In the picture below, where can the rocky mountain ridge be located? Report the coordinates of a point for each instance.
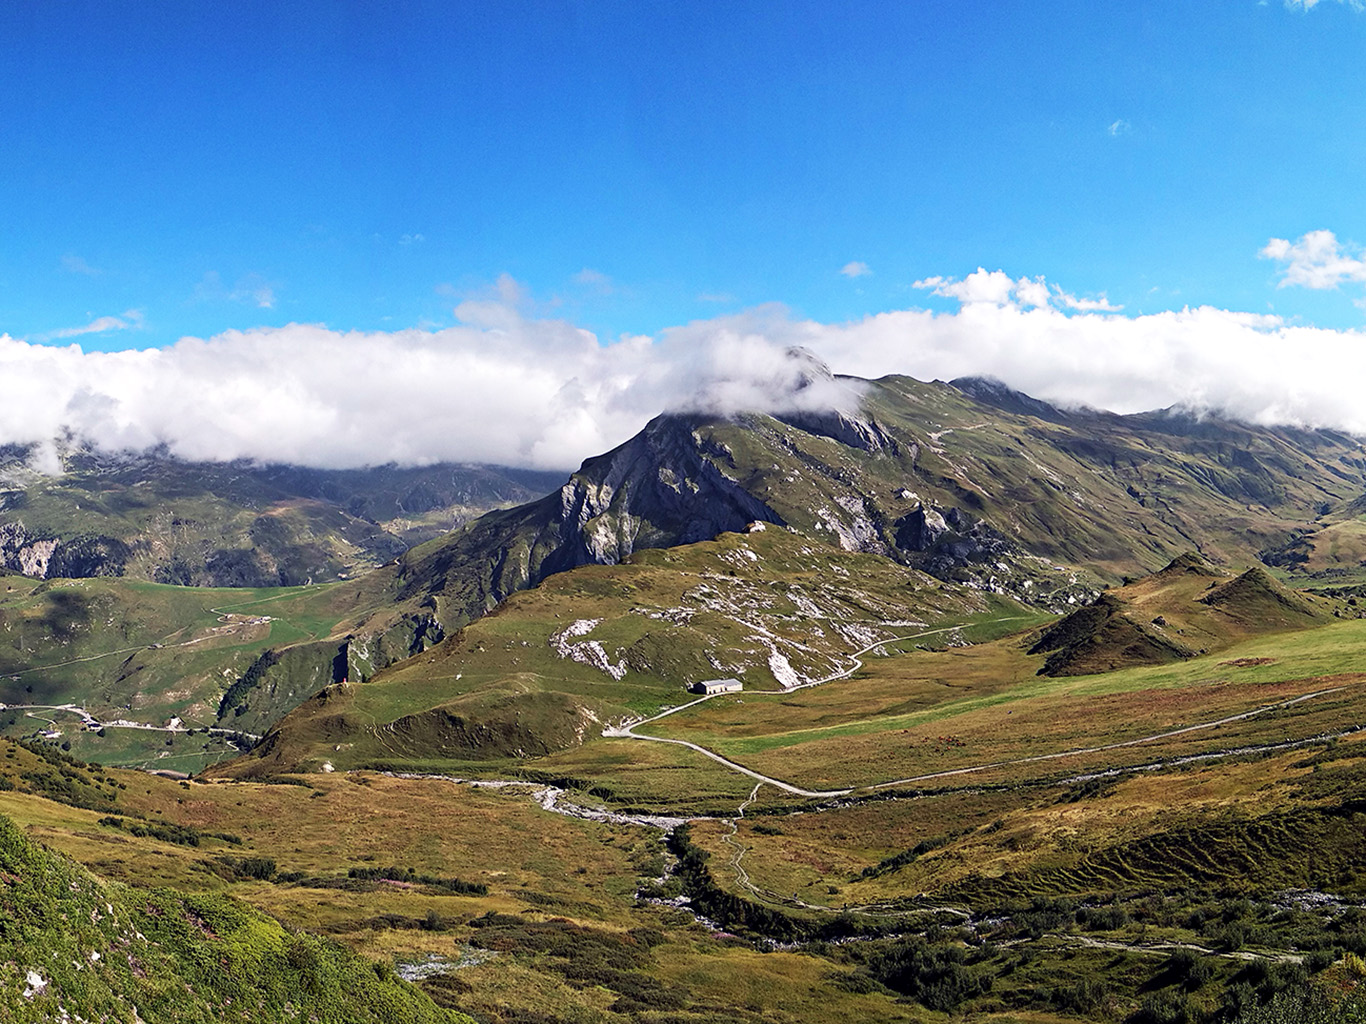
(968, 481)
(151, 516)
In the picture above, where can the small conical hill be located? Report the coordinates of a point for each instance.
(1184, 610)
(1102, 637)
(1188, 564)
(1256, 597)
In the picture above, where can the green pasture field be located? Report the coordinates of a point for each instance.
(537, 866)
(147, 652)
(936, 712)
(648, 628)
(555, 876)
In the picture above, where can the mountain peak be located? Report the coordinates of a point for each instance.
(1188, 564)
(995, 392)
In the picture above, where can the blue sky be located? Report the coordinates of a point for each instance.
(189, 168)
(348, 233)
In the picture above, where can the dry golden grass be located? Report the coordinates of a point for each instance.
(933, 712)
(997, 832)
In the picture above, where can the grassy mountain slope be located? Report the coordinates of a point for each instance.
(80, 948)
(78, 654)
(969, 482)
(156, 518)
(987, 712)
(551, 665)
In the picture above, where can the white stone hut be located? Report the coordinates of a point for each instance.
(710, 686)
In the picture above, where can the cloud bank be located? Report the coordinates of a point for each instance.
(505, 387)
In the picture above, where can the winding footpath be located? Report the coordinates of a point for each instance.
(627, 730)
(230, 625)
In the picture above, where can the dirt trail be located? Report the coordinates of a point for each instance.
(1107, 746)
(627, 730)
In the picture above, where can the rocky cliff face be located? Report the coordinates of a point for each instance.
(42, 557)
(941, 541)
(670, 484)
(855, 431)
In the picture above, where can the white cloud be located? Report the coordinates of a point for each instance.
(1317, 260)
(412, 239)
(996, 288)
(250, 289)
(509, 387)
(856, 268)
(1309, 5)
(1097, 305)
(1120, 127)
(498, 387)
(130, 320)
(75, 265)
(1245, 364)
(980, 286)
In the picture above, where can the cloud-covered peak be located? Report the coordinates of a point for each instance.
(507, 386)
(500, 387)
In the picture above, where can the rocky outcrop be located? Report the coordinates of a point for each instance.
(855, 431)
(665, 486)
(43, 558)
(24, 554)
(668, 485)
(279, 680)
(940, 541)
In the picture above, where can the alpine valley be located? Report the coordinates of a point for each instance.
(1035, 715)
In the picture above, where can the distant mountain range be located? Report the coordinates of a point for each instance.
(153, 517)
